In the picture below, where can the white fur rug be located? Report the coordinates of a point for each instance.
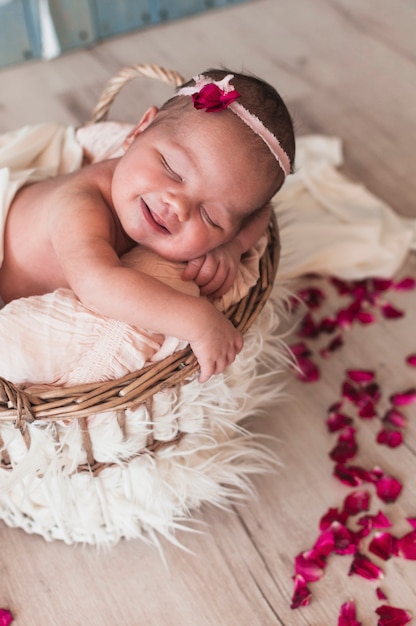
(153, 494)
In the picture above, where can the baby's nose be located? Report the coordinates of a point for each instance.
(182, 207)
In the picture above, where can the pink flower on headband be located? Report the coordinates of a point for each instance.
(212, 98)
(213, 95)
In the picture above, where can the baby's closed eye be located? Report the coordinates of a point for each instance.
(207, 218)
(171, 171)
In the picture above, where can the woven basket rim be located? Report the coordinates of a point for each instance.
(19, 406)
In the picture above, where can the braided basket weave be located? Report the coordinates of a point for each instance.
(20, 407)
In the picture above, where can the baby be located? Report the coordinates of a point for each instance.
(193, 185)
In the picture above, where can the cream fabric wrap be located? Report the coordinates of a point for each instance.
(330, 225)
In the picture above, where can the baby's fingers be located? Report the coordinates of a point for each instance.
(218, 286)
(217, 366)
(205, 374)
(192, 269)
(211, 269)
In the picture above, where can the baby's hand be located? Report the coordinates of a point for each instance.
(217, 343)
(215, 271)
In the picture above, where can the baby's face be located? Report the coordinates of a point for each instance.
(184, 187)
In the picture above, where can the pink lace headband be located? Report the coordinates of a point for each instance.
(213, 95)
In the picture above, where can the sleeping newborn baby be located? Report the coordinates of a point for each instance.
(54, 338)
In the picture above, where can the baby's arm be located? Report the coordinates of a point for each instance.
(94, 272)
(144, 302)
(215, 271)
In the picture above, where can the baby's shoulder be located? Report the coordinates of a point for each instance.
(91, 184)
(95, 175)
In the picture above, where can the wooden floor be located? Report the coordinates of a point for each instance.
(347, 68)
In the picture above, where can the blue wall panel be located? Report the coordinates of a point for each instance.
(113, 18)
(15, 42)
(169, 10)
(82, 22)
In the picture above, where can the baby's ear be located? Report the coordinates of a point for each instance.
(146, 120)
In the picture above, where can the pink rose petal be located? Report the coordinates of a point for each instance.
(395, 418)
(392, 616)
(341, 286)
(372, 391)
(309, 565)
(356, 502)
(301, 595)
(336, 406)
(312, 297)
(332, 515)
(375, 521)
(309, 371)
(362, 289)
(347, 475)
(383, 545)
(367, 411)
(325, 543)
(354, 475)
(382, 284)
(328, 325)
(388, 488)
(371, 476)
(390, 312)
(365, 317)
(346, 446)
(368, 522)
(335, 344)
(380, 594)
(362, 566)
(345, 317)
(390, 438)
(350, 392)
(368, 394)
(364, 397)
(406, 546)
(348, 616)
(345, 541)
(404, 398)
(338, 421)
(6, 617)
(412, 521)
(411, 360)
(300, 349)
(363, 532)
(308, 327)
(360, 376)
(405, 284)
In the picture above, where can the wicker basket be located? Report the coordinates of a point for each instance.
(78, 403)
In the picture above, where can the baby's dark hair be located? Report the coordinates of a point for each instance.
(263, 101)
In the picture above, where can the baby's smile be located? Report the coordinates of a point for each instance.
(154, 220)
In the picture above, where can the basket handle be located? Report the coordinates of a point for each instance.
(127, 74)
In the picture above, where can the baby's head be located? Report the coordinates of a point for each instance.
(265, 123)
(216, 152)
